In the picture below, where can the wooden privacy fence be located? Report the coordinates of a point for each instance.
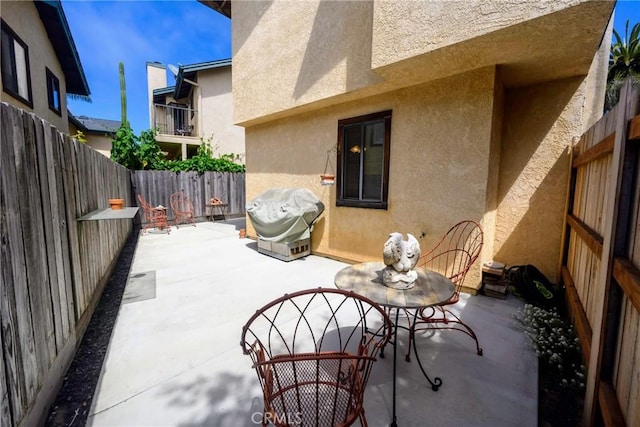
(601, 264)
(157, 186)
(53, 268)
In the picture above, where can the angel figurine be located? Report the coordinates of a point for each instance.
(400, 257)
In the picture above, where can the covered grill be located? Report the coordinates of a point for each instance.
(283, 219)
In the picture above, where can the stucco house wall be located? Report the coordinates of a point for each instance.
(441, 139)
(404, 30)
(216, 104)
(23, 18)
(97, 133)
(540, 122)
(101, 143)
(156, 78)
(482, 118)
(316, 56)
(291, 54)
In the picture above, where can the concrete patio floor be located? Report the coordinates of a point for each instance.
(174, 358)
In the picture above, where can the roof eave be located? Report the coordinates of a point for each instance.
(202, 66)
(160, 94)
(221, 6)
(77, 123)
(189, 72)
(55, 22)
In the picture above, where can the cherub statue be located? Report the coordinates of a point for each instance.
(400, 257)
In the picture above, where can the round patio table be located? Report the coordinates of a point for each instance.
(430, 289)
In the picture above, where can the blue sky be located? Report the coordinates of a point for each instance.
(169, 32)
(628, 9)
(137, 32)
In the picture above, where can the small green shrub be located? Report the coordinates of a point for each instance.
(148, 152)
(124, 147)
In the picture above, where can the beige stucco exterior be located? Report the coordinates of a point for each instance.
(101, 143)
(297, 150)
(532, 40)
(156, 79)
(483, 113)
(216, 118)
(23, 18)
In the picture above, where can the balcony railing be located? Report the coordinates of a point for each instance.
(175, 120)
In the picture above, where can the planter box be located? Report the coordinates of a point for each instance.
(285, 251)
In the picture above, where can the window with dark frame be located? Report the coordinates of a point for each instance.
(53, 92)
(363, 161)
(16, 79)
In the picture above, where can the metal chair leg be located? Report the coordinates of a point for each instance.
(448, 320)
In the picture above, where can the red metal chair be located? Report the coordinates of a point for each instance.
(182, 208)
(154, 217)
(313, 351)
(452, 257)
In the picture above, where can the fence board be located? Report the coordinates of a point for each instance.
(583, 329)
(5, 410)
(634, 128)
(609, 405)
(628, 277)
(599, 150)
(48, 195)
(624, 358)
(11, 267)
(69, 150)
(19, 346)
(64, 281)
(634, 234)
(632, 411)
(33, 235)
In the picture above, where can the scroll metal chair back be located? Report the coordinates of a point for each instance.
(313, 351)
(452, 257)
(154, 217)
(182, 208)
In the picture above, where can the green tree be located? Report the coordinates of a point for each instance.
(125, 144)
(624, 62)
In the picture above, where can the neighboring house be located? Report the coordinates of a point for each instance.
(40, 63)
(197, 108)
(98, 133)
(428, 112)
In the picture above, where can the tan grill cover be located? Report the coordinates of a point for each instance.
(284, 215)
